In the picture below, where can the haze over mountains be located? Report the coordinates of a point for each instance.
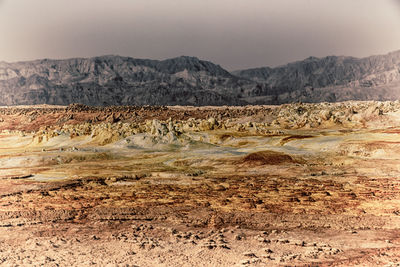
(116, 80)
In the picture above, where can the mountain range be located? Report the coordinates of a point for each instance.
(116, 80)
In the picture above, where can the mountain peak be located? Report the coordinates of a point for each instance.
(192, 64)
(311, 58)
(187, 57)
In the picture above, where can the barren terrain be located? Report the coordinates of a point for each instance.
(291, 185)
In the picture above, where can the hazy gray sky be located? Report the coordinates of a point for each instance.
(233, 33)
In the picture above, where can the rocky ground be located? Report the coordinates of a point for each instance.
(291, 185)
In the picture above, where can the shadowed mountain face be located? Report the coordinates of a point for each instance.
(115, 80)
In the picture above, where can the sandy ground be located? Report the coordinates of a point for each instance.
(186, 186)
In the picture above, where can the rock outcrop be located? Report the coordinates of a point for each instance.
(149, 126)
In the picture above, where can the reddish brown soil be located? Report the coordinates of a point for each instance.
(267, 158)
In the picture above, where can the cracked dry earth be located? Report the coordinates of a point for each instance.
(291, 185)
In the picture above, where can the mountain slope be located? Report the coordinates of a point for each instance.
(116, 80)
(336, 73)
(329, 71)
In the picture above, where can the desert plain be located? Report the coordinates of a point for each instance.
(291, 185)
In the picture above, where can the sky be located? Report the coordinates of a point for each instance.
(235, 34)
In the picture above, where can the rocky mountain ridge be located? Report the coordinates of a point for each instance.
(116, 80)
(329, 71)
